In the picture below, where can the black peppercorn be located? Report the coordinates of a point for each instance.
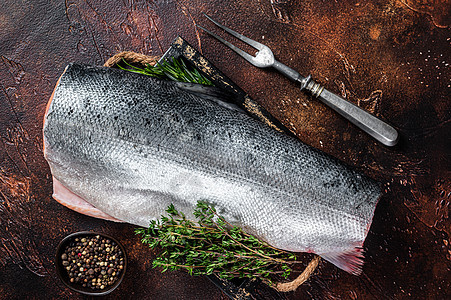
(92, 262)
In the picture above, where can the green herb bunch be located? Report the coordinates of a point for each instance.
(213, 246)
(174, 69)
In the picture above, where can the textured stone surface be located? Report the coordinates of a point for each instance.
(390, 56)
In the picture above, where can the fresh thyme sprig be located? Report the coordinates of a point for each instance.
(175, 69)
(213, 246)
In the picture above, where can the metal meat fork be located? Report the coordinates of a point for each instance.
(264, 58)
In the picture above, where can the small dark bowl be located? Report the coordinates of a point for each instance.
(62, 274)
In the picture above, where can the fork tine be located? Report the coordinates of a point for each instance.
(245, 55)
(245, 39)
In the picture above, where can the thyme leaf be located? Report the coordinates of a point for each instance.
(212, 246)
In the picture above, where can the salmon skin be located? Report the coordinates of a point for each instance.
(124, 146)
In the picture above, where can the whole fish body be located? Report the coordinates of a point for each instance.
(124, 146)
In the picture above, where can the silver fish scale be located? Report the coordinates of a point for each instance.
(131, 145)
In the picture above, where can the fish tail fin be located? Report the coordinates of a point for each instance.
(351, 260)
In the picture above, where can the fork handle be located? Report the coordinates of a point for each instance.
(375, 127)
(378, 129)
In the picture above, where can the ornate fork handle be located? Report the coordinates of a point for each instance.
(378, 129)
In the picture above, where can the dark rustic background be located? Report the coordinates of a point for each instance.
(391, 57)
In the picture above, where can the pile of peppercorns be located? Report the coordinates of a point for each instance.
(93, 262)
